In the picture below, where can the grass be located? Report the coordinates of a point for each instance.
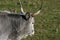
(47, 23)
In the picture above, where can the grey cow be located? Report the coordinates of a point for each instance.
(14, 26)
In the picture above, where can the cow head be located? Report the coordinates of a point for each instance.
(30, 18)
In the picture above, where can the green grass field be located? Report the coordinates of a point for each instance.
(47, 23)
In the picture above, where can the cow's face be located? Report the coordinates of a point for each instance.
(30, 23)
(30, 19)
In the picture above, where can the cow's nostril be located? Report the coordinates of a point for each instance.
(32, 23)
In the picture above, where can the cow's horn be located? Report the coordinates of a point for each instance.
(21, 8)
(39, 9)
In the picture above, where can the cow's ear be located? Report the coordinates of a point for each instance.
(27, 15)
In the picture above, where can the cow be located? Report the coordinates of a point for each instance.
(15, 26)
